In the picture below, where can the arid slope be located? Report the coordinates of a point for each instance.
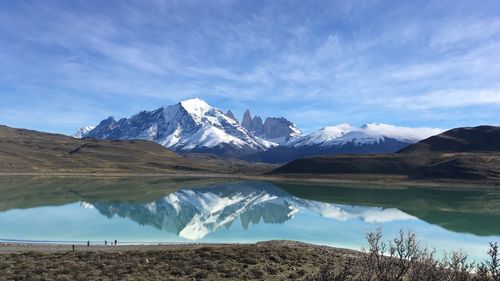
(27, 151)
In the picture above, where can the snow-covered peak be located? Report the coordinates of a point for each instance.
(322, 135)
(189, 126)
(331, 132)
(295, 132)
(196, 106)
(82, 132)
(367, 134)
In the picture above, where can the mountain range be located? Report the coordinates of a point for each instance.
(373, 138)
(189, 126)
(275, 129)
(193, 126)
(468, 153)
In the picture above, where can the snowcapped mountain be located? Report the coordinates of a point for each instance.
(367, 134)
(194, 126)
(371, 138)
(274, 129)
(82, 132)
(230, 114)
(321, 137)
(194, 213)
(189, 126)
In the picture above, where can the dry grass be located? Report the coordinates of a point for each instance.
(400, 259)
(27, 151)
(261, 261)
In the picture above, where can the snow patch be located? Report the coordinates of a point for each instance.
(189, 125)
(196, 106)
(367, 134)
(323, 135)
(82, 132)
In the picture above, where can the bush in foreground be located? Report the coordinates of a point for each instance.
(404, 259)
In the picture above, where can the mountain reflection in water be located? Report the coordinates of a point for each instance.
(157, 210)
(194, 213)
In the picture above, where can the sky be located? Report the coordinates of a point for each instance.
(68, 64)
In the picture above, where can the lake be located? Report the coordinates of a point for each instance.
(165, 210)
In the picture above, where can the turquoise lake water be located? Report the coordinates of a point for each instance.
(166, 211)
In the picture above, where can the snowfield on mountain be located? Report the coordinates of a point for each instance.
(195, 126)
(82, 132)
(371, 133)
(189, 126)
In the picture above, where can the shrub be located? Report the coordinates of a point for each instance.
(490, 270)
(404, 259)
(389, 261)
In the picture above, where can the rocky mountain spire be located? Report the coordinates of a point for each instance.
(246, 122)
(279, 127)
(275, 129)
(254, 125)
(230, 114)
(257, 126)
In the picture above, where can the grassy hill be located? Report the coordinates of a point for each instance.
(27, 151)
(471, 154)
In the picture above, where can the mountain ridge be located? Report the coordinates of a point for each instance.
(430, 159)
(371, 138)
(82, 132)
(275, 129)
(193, 126)
(188, 126)
(466, 139)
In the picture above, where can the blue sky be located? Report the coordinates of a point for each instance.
(67, 64)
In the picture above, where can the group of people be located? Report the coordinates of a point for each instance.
(105, 243)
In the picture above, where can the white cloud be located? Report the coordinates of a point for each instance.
(399, 132)
(448, 98)
(339, 63)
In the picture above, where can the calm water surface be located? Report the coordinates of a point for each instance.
(183, 210)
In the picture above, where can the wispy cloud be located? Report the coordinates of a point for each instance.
(458, 31)
(447, 98)
(317, 63)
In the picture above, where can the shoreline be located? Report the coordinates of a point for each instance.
(354, 179)
(63, 246)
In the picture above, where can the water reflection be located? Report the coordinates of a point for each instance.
(194, 213)
(213, 210)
